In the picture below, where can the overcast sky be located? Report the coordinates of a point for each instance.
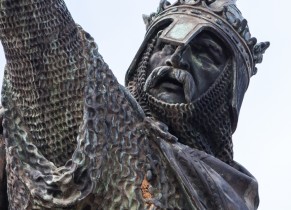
(262, 140)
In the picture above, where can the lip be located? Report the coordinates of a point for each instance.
(169, 83)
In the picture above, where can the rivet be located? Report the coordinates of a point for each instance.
(174, 10)
(195, 11)
(218, 21)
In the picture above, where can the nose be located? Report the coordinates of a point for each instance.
(179, 59)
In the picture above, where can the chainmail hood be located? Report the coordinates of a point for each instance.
(54, 76)
(204, 124)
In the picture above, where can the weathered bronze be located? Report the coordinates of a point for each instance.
(73, 138)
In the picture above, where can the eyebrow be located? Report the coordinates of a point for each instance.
(215, 45)
(209, 39)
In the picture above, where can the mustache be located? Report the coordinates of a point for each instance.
(183, 77)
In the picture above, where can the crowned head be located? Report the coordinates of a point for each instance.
(196, 59)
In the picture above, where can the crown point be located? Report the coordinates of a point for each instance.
(237, 23)
(146, 19)
(252, 42)
(243, 26)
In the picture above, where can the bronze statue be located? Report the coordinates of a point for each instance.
(73, 138)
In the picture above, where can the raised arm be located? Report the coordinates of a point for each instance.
(45, 71)
(66, 109)
(28, 25)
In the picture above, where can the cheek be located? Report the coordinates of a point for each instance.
(204, 73)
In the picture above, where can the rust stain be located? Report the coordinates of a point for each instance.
(145, 189)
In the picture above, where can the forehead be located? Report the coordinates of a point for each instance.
(208, 37)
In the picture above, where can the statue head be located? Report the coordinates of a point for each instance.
(193, 68)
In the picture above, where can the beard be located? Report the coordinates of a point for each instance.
(203, 124)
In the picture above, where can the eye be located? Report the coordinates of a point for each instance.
(159, 46)
(207, 53)
(215, 52)
(205, 58)
(168, 49)
(203, 53)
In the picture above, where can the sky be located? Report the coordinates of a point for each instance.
(262, 139)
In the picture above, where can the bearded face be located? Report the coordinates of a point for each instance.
(183, 74)
(188, 88)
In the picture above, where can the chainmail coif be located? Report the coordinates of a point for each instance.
(203, 124)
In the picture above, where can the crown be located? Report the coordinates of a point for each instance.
(222, 13)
